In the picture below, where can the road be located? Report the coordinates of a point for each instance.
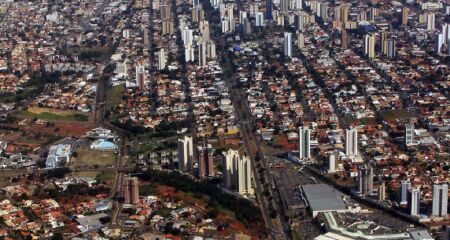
(249, 139)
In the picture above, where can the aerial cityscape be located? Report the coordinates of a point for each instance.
(224, 119)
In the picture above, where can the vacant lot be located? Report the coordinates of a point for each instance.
(391, 115)
(52, 115)
(94, 158)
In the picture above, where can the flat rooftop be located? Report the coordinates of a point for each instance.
(321, 197)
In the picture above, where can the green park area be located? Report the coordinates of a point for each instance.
(52, 115)
(115, 95)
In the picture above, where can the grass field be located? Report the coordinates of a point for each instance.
(115, 95)
(95, 158)
(85, 174)
(52, 115)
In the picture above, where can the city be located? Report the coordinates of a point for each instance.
(224, 119)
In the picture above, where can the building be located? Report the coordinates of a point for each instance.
(58, 155)
(430, 19)
(230, 158)
(333, 158)
(287, 44)
(244, 176)
(284, 6)
(299, 4)
(382, 192)
(384, 43)
(259, 19)
(211, 50)
(242, 16)
(187, 35)
(438, 43)
(322, 198)
(300, 40)
(202, 54)
(365, 181)
(322, 12)
(391, 48)
(403, 192)
(369, 45)
(351, 142)
(409, 134)
(189, 53)
(140, 76)
(405, 16)
(161, 59)
(238, 173)
(344, 39)
(269, 9)
(414, 201)
(247, 27)
(440, 200)
(130, 190)
(205, 161)
(304, 143)
(185, 153)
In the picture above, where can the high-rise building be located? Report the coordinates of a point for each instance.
(446, 33)
(187, 35)
(288, 44)
(122, 70)
(205, 161)
(438, 43)
(333, 158)
(161, 59)
(244, 176)
(145, 37)
(189, 53)
(140, 76)
(383, 41)
(440, 200)
(269, 9)
(130, 190)
(284, 6)
(409, 134)
(202, 54)
(230, 158)
(344, 39)
(414, 201)
(391, 48)
(369, 45)
(298, 4)
(247, 26)
(323, 11)
(351, 142)
(195, 3)
(405, 185)
(344, 14)
(304, 143)
(204, 30)
(405, 15)
(300, 40)
(259, 17)
(431, 18)
(242, 16)
(211, 50)
(365, 181)
(382, 192)
(185, 153)
(238, 173)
